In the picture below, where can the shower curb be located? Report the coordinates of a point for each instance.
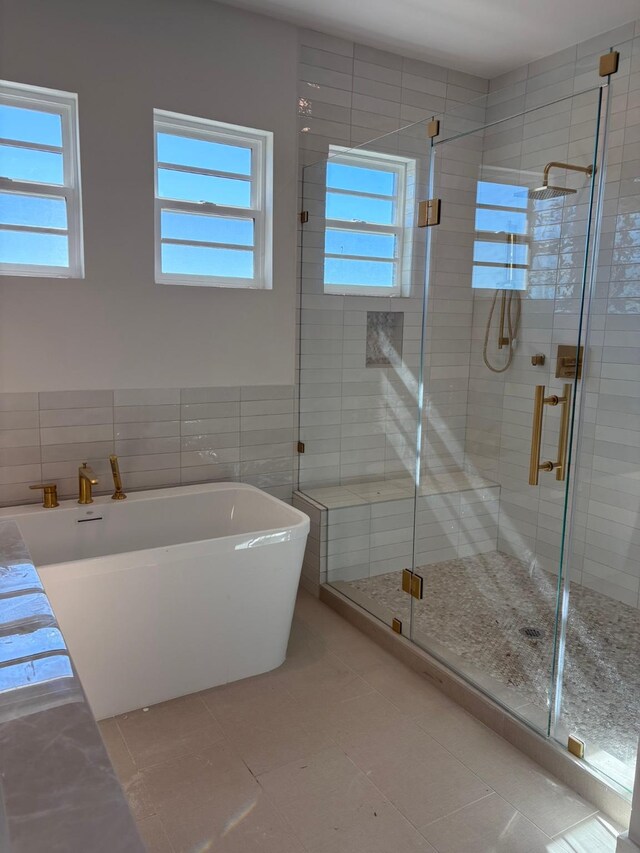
(544, 752)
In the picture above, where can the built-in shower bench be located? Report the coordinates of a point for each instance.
(364, 529)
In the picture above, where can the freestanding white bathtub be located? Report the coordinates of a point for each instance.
(170, 591)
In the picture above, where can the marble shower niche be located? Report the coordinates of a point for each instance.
(384, 338)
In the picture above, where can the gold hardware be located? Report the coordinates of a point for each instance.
(304, 216)
(86, 479)
(406, 580)
(563, 438)
(576, 746)
(429, 213)
(301, 447)
(538, 359)
(539, 402)
(609, 63)
(397, 625)
(412, 583)
(118, 495)
(546, 192)
(50, 494)
(433, 128)
(566, 367)
(503, 340)
(416, 586)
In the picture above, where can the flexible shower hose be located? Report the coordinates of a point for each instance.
(513, 322)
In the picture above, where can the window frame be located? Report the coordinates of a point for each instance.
(403, 168)
(64, 104)
(260, 212)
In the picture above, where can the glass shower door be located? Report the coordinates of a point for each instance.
(599, 679)
(507, 268)
(361, 304)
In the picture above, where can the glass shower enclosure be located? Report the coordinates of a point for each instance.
(468, 422)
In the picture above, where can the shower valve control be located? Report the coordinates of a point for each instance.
(538, 359)
(569, 363)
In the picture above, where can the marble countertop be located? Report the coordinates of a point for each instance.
(58, 790)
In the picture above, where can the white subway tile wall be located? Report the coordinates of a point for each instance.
(360, 423)
(163, 437)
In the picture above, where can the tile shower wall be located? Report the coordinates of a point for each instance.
(163, 436)
(606, 549)
(359, 423)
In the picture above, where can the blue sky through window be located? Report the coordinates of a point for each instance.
(364, 237)
(360, 209)
(33, 248)
(29, 164)
(30, 126)
(198, 153)
(500, 250)
(206, 261)
(508, 221)
(186, 186)
(27, 210)
(43, 191)
(363, 243)
(359, 179)
(207, 229)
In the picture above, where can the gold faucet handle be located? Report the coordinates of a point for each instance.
(50, 496)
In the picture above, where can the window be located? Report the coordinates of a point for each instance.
(501, 246)
(40, 205)
(213, 203)
(366, 238)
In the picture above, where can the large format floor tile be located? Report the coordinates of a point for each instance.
(341, 750)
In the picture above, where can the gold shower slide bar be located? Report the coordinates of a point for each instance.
(539, 402)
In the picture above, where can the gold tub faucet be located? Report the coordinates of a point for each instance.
(86, 479)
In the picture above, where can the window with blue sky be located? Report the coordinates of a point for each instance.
(213, 203)
(365, 214)
(501, 246)
(40, 204)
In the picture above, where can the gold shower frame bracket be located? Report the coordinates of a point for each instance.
(560, 465)
(412, 583)
(428, 213)
(609, 63)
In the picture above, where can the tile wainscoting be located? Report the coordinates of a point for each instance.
(163, 436)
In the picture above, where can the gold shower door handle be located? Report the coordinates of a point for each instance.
(560, 465)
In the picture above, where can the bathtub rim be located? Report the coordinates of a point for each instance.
(298, 529)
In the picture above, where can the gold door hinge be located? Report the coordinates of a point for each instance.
(429, 213)
(576, 746)
(609, 63)
(304, 216)
(397, 625)
(412, 583)
(301, 447)
(433, 128)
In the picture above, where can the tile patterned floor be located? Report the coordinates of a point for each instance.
(340, 750)
(476, 607)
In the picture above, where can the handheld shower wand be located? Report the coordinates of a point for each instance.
(118, 495)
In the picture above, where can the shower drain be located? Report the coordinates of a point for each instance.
(532, 633)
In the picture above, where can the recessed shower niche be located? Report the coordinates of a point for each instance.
(384, 338)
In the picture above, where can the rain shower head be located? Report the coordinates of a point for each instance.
(545, 191)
